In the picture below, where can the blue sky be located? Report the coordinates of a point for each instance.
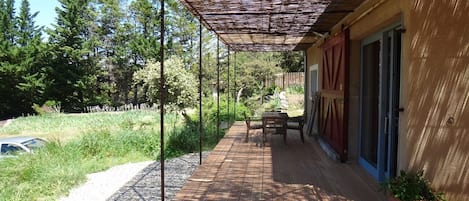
(46, 10)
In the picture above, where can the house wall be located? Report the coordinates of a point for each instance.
(313, 56)
(438, 94)
(434, 128)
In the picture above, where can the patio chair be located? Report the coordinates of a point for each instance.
(296, 123)
(251, 125)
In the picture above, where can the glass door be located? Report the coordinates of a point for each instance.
(379, 103)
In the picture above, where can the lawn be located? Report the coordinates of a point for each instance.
(65, 127)
(81, 144)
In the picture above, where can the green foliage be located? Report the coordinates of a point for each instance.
(22, 61)
(52, 171)
(292, 61)
(48, 107)
(180, 83)
(274, 103)
(74, 69)
(253, 69)
(296, 89)
(411, 186)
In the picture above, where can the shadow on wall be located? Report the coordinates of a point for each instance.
(438, 110)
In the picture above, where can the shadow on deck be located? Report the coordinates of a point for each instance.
(236, 170)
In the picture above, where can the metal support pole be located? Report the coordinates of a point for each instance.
(235, 100)
(229, 92)
(200, 93)
(218, 88)
(162, 97)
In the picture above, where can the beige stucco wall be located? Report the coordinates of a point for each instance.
(434, 127)
(438, 93)
(313, 56)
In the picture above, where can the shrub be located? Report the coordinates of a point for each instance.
(296, 89)
(49, 106)
(209, 110)
(411, 186)
(180, 84)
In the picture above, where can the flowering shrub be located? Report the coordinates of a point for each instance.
(180, 84)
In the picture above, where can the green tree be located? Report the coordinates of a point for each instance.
(23, 53)
(109, 20)
(33, 54)
(292, 61)
(182, 31)
(8, 21)
(144, 44)
(74, 70)
(28, 31)
(252, 71)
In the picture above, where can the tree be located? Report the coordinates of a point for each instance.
(144, 45)
(28, 31)
(8, 21)
(180, 84)
(108, 24)
(182, 31)
(22, 74)
(292, 61)
(33, 56)
(74, 70)
(252, 71)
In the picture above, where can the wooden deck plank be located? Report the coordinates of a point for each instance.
(236, 170)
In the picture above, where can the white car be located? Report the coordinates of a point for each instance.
(17, 145)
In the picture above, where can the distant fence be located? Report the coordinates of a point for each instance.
(126, 107)
(285, 80)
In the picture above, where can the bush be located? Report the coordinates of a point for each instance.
(296, 89)
(411, 186)
(209, 110)
(49, 106)
(180, 84)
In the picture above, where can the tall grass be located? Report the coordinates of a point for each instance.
(98, 141)
(54, 170)
(68, 126)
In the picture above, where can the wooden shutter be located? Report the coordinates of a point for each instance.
(334, 93)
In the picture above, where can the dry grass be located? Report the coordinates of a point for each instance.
(295, 104)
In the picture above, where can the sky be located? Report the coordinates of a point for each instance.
(46, 10)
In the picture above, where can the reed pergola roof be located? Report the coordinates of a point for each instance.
(270, 25)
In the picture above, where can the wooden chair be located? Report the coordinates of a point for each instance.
(296, 123)
(275, 123)
(251, 125)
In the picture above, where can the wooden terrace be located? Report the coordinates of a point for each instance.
(236, 170)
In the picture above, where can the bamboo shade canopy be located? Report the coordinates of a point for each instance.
(270, 25)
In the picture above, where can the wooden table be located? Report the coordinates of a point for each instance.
(274, 123)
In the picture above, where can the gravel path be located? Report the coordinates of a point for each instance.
(136, 181)
(146, 185)
(101, 185)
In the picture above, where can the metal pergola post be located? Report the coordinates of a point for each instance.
(162, 97)
(218, 88)
(229, 92)
(234, 72)
(200, 93)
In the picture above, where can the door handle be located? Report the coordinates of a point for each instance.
(386, 124)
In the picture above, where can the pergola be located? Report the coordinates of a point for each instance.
(270, 25)
(257, 25)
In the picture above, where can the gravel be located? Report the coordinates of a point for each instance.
(101, 185)
(137, 181)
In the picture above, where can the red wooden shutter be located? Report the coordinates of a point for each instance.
(334, 93)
